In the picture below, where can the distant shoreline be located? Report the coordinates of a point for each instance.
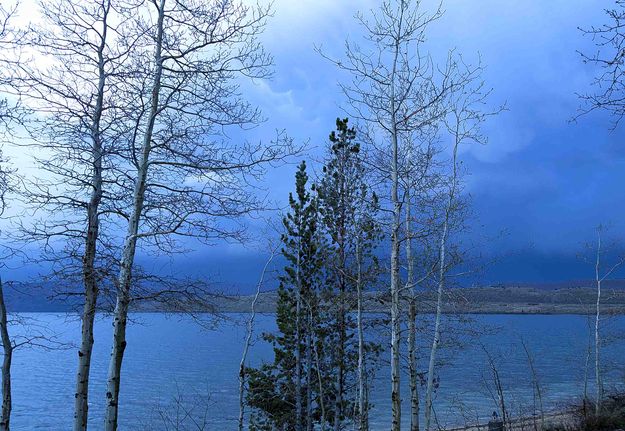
(475, 300)
(478, 300)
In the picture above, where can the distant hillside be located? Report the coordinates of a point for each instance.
(573, 297)
(490, 300)
(608, 284)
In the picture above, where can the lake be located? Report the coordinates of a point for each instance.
(169, 358)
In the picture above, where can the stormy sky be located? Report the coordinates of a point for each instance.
(540, 186)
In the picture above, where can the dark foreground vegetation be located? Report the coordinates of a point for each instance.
(584, 417)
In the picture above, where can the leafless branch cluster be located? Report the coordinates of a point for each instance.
(609, 83)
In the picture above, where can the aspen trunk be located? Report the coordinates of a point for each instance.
(395, 299)
(128, 255)
(338, 407)
(395, 312)
(395, 315)
(412, 358)
(429, 391)
(81, 398)
(412, 324)
(441, 285)
(7, 347)
(248, 341)
(598, 382)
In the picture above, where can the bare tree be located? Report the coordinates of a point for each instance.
(497, 392)
(394, 89)
(183, 176)
(7, 346)
(420, 183)
(600, 276)
(183, 412)
(536, 387)
(6, 36)
(609, 57)
(67, 78)
(463, 123)
(248, 338)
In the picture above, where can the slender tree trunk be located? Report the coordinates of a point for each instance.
(363, 408)
(598, 381)
(298, 351)
(412, 323)
(395, 298)
(536, 384)
(7, 348)
(429, 391)
(340, 371)
(81, 401)
(309, 341)
(248, 342)
(395, 304)
(412, 358)
(395, 288)
(130, 243)
(319, 381)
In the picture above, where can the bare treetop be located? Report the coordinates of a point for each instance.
(609, 84)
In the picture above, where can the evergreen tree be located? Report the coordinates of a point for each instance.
(281, 393)
(348, 209)
(319, 373)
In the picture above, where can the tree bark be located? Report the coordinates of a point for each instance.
(248, 341)
(395, 299)
(7, 347)
(412, 324)
(81, 401)
(441, 285)
(130, 243)
(412, 358)
(340, 372)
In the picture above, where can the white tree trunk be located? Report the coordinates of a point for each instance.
(81, 398)
(412, 366)
(7, 347)
(429, 390)
(395, 298)
(248, 341)
(412, 324)
(130, 243)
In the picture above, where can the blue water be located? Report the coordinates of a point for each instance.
(173, 361)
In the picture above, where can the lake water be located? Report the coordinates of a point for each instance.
(169, 356)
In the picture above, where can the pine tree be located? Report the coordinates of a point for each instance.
(320, 350)
(281, 393)
(348, 209)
